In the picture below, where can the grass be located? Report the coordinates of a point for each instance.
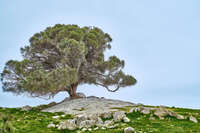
(35, 121)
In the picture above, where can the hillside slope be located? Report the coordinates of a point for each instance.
(149, 119)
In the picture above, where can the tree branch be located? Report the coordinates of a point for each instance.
(116, 89)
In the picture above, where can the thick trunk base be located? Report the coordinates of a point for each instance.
(72, 93)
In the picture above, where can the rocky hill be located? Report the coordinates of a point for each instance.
(89, 105)
(98, 115)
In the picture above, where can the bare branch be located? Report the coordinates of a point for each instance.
(116, 89)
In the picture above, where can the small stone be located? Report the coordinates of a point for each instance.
(126, 119)
(84, 129)
(103, 128)
(96, 128)
(110, 127)
(56, 117)
(62, 115)
(151, 118)
(193, 119)
(118, 116)
(129, 130)
(161, 118)
(78, 131)
(51, 125)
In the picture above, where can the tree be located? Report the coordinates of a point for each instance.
(62, 57)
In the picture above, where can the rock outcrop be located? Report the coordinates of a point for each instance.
(88, 105)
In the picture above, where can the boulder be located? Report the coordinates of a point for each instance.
(87, 123)
(26, 108)
(108, 123)
(82, 124)
(193, 119)
(106, 115)
(180, 117)
(145, 110)
(68, 124)
(129, 130)
(118, 116)
(99, 122)
(161, 112)
(92, 117)
(80, 118)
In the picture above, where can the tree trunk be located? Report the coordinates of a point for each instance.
(72, 93)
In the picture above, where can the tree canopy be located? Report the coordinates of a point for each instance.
(62, 57)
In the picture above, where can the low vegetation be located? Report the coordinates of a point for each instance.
(15, 120)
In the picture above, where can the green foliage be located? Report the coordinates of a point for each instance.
(62, 57)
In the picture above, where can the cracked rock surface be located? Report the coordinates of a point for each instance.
(88, 105)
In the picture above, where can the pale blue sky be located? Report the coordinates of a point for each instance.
(158, 39)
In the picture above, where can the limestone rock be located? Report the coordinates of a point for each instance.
(151, 118)
(68, 124)
(161, 112)
(145, 110)
(99, 122)
(80, 94)
(131, 110)
(56, 117)
(51, 125)
(26, 108)
(180, 117)
(106, 115)
(193, 119)
(96, 128)
(80, 118)
(129, 130)
(126, 119)
(84, 129)
(108, 123)
(89, 105)
(118, 116)
(92, 117)
(103, 128)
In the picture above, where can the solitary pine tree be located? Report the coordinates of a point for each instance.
(62, 57)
